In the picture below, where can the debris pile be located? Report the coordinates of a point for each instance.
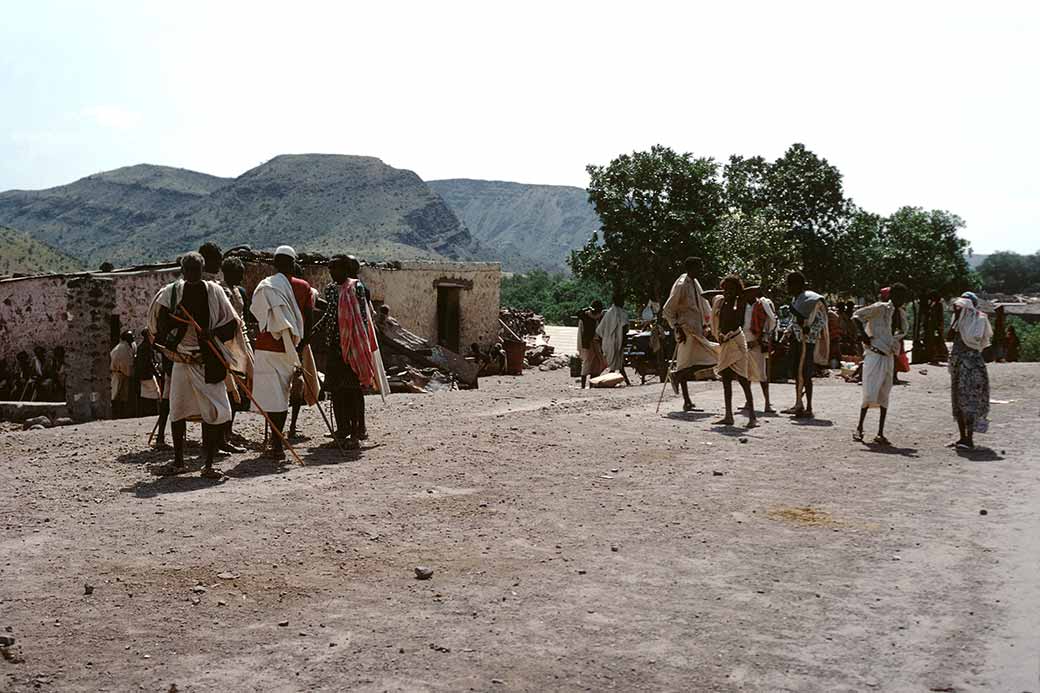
(522, 323)
(414, 364)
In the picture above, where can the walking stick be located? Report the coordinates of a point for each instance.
(154, 429)
(242, 385)
(668, 376)
(328, 425)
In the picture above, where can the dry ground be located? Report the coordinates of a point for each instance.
(579, 542)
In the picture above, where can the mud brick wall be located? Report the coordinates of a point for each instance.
(32, 313)
(90, 300)
(411, 293)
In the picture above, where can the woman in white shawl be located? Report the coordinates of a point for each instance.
(970, 332)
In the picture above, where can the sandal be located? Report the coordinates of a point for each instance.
(723, 422)
(804, 414)
(965, 445)
(857, 436)
(213, 474)
(881, 440)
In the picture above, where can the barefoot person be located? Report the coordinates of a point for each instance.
(759, 324)
(971, 333)
(197, 389)
(283, 306)
(611, 331)
(808, 329)
(727, 320)
(881, 328)
(687, 311)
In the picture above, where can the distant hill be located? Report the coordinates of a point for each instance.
(315, 202)
(525, 226)
(20, 253)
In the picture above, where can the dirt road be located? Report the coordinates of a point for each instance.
(578, 542)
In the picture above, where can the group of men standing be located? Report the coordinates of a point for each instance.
(199, 324)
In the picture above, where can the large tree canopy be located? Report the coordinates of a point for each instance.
(761, 219)
(1011, 273)
(657, 208)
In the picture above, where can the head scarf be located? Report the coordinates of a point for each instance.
(971, 297)
(885, 293)
(972, 325)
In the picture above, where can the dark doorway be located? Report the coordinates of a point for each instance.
(448, 317)
(114, 330)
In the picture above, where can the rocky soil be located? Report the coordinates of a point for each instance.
(569, 540)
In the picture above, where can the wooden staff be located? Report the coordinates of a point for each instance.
(242, 385)
(328, 425)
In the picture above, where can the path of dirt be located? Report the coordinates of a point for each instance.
(579, 542)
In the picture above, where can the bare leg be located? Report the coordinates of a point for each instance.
(687, 402)
(727, 391)
(745, 385)
(278, 419)
(862, 420)
(212, 435)
(584, 379)
(295, 415)
(625, 376)
(164, 414)
(179, 430)
(808, 396)
(765, 393)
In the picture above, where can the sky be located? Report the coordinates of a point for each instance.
(931, 104)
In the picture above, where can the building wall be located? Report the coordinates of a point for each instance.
(32, 313)
(33, 310)
(411, 293)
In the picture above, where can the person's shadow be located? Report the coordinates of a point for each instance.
(689, 415)
(815, 421)
(160, 484)
(890, 450)
(259, 466)
(980, 454)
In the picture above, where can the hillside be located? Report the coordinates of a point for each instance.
(525, 226)
(22, 254)
(315, 202)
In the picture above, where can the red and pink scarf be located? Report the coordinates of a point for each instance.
(356, 342)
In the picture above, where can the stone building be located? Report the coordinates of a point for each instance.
(453, 304)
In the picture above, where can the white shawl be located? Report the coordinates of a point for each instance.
(973, 325)
(275, 309)
(611, 331)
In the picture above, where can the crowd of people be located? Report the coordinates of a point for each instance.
(736, 334)
(39, 377)
(211, 350)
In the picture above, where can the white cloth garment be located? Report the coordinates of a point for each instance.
(879, 358)
(733, 349)
(973, 325)
(611, 332)
(272, 378)
(686, 308)
(122, 366)
(275, 309)
(191, 397)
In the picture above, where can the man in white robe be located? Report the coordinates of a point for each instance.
(759, 325)
(687, 311)
(611, 331)
(727, 324)
(283, 307)
(196, 384)
(881, 326)
(809, 329)
(121, 360)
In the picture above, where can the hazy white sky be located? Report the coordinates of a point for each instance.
(929, 104)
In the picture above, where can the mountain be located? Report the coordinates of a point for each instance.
(525, 226)
(314, 202)
(20, 253)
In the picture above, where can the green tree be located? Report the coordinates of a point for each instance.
(922, 250)
(1010, 273)
(758, 249)
(555, 297)
(657, 207)
(803, 194)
